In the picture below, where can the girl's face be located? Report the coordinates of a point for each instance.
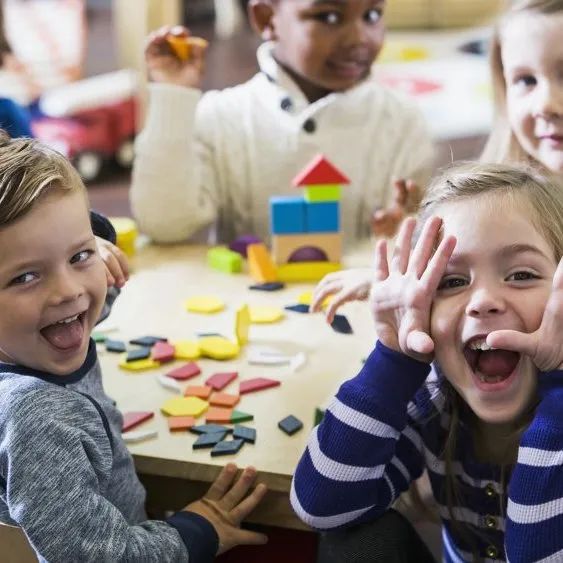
(532, 57)
(499, 277)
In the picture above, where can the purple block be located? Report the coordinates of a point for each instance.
(308, 254)
(240, 244)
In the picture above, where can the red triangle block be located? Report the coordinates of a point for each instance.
(257, 384)
(220, 380)
(191, 369)
(319, 171)
(163, 352)
(132, 419)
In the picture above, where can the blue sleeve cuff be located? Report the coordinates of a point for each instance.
(102, 227)
(198, 534)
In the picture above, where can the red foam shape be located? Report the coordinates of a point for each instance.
(219, 381)
(257, 384)
(132, 419)
(319, 171)
(163, 352)
(191, 369)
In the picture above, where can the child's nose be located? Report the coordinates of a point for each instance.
(484, 302)
(549, 101)
(356, 33)
(65, 288)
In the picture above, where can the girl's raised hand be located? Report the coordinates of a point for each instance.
(545, 345)
(385, 222)
(402, 295)
(164, 65)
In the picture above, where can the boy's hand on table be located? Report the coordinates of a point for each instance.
(225, 506)
(166, 66)
(115, 262)
(386, 222)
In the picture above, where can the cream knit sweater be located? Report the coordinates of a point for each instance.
(220, 156)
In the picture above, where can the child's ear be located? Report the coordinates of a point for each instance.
(261, 15)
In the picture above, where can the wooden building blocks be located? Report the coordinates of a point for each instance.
(133, 419)
(257, 384)
(290, 425)
(260, 265)
(187, 371)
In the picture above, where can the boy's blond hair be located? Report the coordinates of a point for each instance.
(502, 145)
(29, 169)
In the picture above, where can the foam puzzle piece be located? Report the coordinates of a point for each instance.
(208, 440)
(219, 415)
(323, 217)
(224, 400)
(268, 286)
(287, 215)
(187, 350)
(260, 265)
(257, 384)
(241, 244)
(201, 391)
(169, 383)
(138, 354)
(290, 248)
(218, 381)
(290, 425)
(224, 260)
(184, 372)
(239, 416)
(209, 429)
(322, 192)
(185, 406)
(139, 436)
(218, 348)
(205, 304)
(133, 419)
(115, 345)
(341, 324)
(306, 271)
(319, 171)
(227, 447)
(298, 308)
(147, 341)
(245, 433)
(137, 365)
(265, 314)
(180, 423)
(242, 325)
(163, 352)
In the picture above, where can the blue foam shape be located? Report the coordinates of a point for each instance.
(322, 217)
(287, 215)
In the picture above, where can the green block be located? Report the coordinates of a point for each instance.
(319, 415)
(99, 337)
(225, 260)
(322, 192)
(239, 416)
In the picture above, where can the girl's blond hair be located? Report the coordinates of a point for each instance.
(28, 169)
(502, 145)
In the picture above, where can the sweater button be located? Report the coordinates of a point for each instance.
(491, 552)
(310, 126)
(286, 104)
(490, 490)
(490, 522)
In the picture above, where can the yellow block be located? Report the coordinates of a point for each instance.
(186, 350)
(265, 315)
(204, 304)
(137, 365)
(306, 271)
(126, 231)
(306, 298)
(260, 264)
(185, 406)
(218, 348)
(242, 325)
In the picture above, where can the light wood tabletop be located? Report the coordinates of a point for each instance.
(152, 304)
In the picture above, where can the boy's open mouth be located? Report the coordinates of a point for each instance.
(490, 366)
(66, 333)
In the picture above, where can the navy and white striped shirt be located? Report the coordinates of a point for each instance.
(389, 423)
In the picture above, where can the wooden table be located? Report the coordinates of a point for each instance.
(152, 304)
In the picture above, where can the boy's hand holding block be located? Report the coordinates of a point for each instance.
(182, 45)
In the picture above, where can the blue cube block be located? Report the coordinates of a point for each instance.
(287, 215)
(322, 217)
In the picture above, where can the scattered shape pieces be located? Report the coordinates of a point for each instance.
(137, 365)
(185, 406)
(297, 362)
(265, 315)
(224, 400)
(204, 304)
(179, 423)
(209, 429)
(208, 440)
(201, 391)
(218, 348)
(245, 433)
(138, 354)
(169, 384)
(257, 384)
(186, 350)
(268, 286)
(219, 415)
(267, 357)
(184, 372)
(241, 244)
(227, 447)
(239, 416)
(139, 436)
(219, 381)
(147, 341)
(299, 308)
(163, 352)
(260, 264)
(341, 324)
(290, 425)
(115, 345)
(99, 338)
(242, 325)
(224, 260)
(319, 415)
(132, 419)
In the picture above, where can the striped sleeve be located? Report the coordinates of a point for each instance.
(364, 453)
(534, 528)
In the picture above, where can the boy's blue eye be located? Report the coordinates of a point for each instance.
(373, 15)
(81, 256)
(451, 283)
(23, 279)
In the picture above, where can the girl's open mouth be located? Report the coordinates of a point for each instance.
(65, 334)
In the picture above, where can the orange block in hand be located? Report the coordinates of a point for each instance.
(182, 45)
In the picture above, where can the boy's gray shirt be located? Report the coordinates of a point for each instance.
(67, 479)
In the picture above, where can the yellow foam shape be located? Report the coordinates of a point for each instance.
(204, 304)
(306, 271)
(137, 365)
(185, 406)
(264, 315)
(186, 350)
(306, 298)
(218, 348)
(242, 325)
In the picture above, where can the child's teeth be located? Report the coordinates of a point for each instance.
(69, 320)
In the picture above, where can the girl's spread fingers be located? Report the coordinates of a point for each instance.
(425, 246)
(380, 261)
(401, 252)
(437, 266)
